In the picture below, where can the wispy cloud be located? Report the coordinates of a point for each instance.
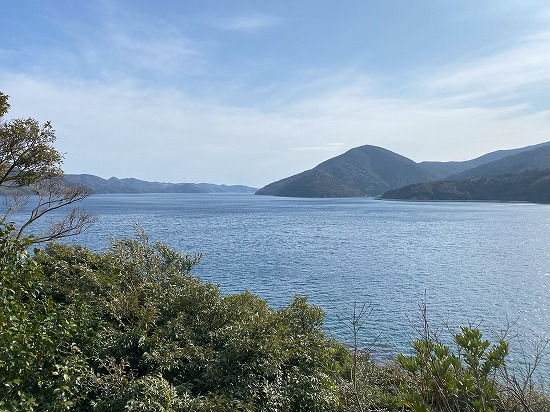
(504, 74)
(159, 48)
(117, 42)
(248, 22)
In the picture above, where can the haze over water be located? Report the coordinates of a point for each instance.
(477, 263)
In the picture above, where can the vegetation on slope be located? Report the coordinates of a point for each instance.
(311, 183)
(528, 186)
(447, 169)
(362, 171)
(537, 158)
(133, 329)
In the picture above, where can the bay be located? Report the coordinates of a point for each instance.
(485, 264)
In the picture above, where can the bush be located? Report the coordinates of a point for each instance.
(157, 325)
(446, 381)
(41, 365)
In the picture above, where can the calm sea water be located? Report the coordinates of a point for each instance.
(472, 263)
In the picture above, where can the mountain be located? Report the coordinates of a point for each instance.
(446, 169)
(131, 185)
(524, 176)
(311, 183)
(526, 186)
(212, 188)
(371, 170)
(362, 171)
(538, 158)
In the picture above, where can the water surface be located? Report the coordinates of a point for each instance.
(477, 263)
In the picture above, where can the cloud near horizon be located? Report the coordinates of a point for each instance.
(126, 131)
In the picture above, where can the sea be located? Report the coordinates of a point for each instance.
(477, 264)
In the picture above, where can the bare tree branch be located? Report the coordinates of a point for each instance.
(30, 169)
(51, 195)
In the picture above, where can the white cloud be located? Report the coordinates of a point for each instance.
(125, 130)
(159, 48)
(119, 43)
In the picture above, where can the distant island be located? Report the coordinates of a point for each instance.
(130, 185)
(520, 174)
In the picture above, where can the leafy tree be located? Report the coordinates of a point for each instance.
(168, 341)
(30, 170)
(132, 329)
(41, 365)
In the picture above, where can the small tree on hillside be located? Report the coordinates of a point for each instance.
(30, 171)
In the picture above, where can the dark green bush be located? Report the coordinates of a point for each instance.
(157, 325)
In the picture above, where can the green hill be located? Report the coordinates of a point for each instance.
(538, 158)
(131, 185)
(527, 186)
(371, 170)
(446, 169)
(362, 171)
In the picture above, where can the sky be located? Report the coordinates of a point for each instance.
(249, 92)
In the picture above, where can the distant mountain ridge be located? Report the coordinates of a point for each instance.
(526, 186)
(446, 169)
(370, 171)
(130, 185)
(536, 158)
(524, 176)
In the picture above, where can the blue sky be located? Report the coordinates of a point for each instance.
(248, 92)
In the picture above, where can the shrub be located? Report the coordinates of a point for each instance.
(447, 381)
(41, 365)
(156, 324)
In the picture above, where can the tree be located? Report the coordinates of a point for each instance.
(30, 170)
(41, 366)
(158, 338)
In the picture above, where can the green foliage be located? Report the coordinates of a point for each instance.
(26, 150)
(30, 164)
(165, 340)
(41, 366)
(377, 386)
(447, 381)
(27, 153)
(4, 105)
